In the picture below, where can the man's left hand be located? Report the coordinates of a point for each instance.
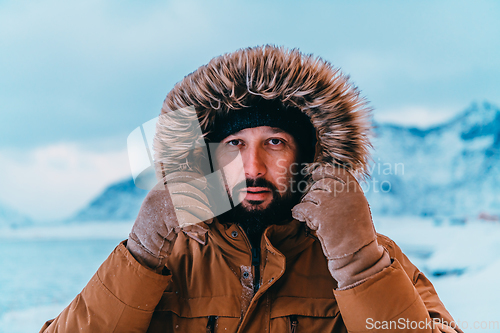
(337, 210)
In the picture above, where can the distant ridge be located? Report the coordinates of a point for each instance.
(11, 218)
(120, 201)
(452, 169)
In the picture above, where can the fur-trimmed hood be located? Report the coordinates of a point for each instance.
(234, 81)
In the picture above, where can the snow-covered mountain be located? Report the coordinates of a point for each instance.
(452, 169)
(448, 170)
(120, 201)
(12, 218)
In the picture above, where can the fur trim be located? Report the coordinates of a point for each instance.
(236, 80)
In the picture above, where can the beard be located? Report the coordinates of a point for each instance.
(253, 218)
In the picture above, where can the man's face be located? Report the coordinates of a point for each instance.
(269, 157)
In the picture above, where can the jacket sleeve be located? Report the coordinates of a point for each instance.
(398, 299)
(120, 297)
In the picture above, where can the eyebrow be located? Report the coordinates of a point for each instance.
(274, 130)
(278, 130)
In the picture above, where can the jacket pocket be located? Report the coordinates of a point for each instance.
(303, 315)
(202, 314)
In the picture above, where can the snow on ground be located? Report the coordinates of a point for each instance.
(28, 320)
(87, 230)
(44, 268)
(443, 248)
(461, 259)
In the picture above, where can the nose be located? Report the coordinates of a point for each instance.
(253, 162)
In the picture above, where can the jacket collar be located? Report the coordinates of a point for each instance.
(288, 239)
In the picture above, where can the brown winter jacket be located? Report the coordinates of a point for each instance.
(209, 289)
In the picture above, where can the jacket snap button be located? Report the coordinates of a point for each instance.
(234, 234)
(245, 275)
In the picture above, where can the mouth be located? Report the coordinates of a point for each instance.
(256, 193)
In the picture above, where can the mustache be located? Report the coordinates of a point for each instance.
(254, 182)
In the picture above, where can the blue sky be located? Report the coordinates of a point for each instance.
(76, 77)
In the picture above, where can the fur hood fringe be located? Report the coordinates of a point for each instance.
(235, 80)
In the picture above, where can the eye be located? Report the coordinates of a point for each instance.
(275, 141)
(234, 142)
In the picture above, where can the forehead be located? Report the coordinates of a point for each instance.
(260, 131)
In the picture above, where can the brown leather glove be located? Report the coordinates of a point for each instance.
(181, 205)
(337, 210)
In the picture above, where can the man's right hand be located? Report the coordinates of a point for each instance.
(178, 203)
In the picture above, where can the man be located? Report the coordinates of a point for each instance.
(286, 257)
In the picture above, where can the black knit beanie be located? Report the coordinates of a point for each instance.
(267, 113)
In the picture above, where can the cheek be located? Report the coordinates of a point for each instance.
(231, 179)
(233, 170)
(284, 171)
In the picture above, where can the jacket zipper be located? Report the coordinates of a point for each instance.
(211, 324)
(256, 268)
(293, 323)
